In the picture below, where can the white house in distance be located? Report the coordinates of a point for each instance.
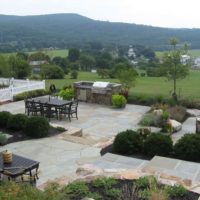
(36, 65)
(196, 63)
(131, 52)
(185, 59)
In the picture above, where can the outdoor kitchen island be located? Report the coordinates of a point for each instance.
(96, 92)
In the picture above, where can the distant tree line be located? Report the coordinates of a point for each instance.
(75, 31)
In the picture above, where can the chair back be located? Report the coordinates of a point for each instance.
(74, 105)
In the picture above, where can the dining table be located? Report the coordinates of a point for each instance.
(19, 166)
(52, 103)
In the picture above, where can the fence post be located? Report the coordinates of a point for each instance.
(12, 81)
(28, 84)
(11, 92)
(43, 84)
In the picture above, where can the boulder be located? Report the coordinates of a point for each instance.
(158, 112)
(88, 169)
(176, 126)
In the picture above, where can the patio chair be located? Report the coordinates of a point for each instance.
(70, 109)
(32, 107)
(49, 111)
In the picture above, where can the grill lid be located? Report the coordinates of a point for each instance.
(99, 84)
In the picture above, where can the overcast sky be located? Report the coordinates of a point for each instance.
(164, 13)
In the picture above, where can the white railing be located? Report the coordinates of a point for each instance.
(17, 86)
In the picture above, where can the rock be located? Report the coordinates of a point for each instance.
(158, 112)
(88, 169)
(131, 174)
(144, 131)
(86, 198)
(77, 132)
(176, 126)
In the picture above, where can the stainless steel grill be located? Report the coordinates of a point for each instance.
(100, 87)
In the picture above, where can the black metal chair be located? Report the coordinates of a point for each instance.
(49, 111)
(70, 110)
(32, 107)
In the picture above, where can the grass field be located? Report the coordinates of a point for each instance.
(188, 87)
(194, 53)
(50, 53)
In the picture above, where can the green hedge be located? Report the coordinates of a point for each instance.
(149, 99)
(4, 117)
(188, 147)
(34, 93)
(37, 127)
(158, 144)
(34, 127)
(128, 142)
(17, 122)
(118, 101)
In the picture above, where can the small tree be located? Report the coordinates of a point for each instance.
(127, 77)
(52, 72)
(19, 67)
(174, 68)
(74, 74)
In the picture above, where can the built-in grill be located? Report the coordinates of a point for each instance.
(100, 87)
(96, 92)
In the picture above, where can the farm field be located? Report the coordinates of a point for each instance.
(188, 87)
(50, 53)
(194, 53)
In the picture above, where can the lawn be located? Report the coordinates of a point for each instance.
(50, 53)
(188, 87)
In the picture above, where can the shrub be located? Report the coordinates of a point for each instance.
(104, 182)
(37, 127)
(52, 72)
(67, 94)
(3, 139)
(165, 115)
(176, 191)
(118, 101)
(77, 190)
(147, 120)
(158, 144)
(74, 74)
(4, 117)
(142, 74)
(128, 142)
(125, 93)
(188, 147)
(114, 193)
(146, 182)
(17, 122)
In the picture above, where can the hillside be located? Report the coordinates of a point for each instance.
(64, 30)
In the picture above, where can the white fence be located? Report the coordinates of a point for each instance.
(17, 86)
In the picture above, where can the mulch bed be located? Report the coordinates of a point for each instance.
(109, 149)
(18, 136)
(129, 192)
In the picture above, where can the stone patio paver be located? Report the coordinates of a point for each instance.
(59, 157)
(188, 126)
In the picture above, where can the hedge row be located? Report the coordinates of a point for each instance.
(149, 99)
(131, 142)
(34, 93)
(35, 127)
